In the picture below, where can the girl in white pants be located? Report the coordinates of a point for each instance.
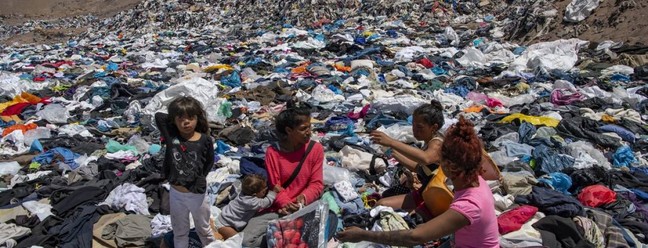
(188, 158)
(181, 205)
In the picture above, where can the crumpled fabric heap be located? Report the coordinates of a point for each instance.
(564, 120)
(129, 197)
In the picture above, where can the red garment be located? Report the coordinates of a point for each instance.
(596, 195)
(513, 220)
(60, 63)
(309, 181)
(360, 114)
(492, 102)
(426, 62)
(15, 109)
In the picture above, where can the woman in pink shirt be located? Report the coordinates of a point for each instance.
(293, 127)
(471, 216)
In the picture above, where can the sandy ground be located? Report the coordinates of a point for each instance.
(15, 12)
(43, 36)
(617, 20)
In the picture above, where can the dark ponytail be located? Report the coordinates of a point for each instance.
(294, 114)
(432, 113)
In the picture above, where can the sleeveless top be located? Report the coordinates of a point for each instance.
(436, 195)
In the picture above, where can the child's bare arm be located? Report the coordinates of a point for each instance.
(277, 188)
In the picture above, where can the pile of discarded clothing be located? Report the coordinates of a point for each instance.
(80, 157)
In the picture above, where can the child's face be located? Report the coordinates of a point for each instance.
(186, 124)
(423, 130)
(263, 192)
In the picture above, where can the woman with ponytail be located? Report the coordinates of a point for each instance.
(471, 216)
(434, 197)
(294, 163)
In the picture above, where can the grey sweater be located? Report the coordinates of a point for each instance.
(239, 211)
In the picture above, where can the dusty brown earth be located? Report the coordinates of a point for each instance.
(16, 12)
(618, 20)
(44, 36)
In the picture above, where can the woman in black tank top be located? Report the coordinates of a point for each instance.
(427, 121)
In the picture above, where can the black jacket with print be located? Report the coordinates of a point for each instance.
(186, 163)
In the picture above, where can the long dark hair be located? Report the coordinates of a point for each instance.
(189, 106)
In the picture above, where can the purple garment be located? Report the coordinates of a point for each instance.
(565, 97)
(641, 209)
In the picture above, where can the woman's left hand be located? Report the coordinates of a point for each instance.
(283, 211)
(351, 234)
(289, 208)
(381, 138)
(292, 207)
(301, 199)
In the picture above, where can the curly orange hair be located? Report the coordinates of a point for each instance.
(462, 149)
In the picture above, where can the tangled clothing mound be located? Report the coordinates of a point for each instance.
(564, 120)
(36, 21)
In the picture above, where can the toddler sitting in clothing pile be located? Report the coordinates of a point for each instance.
(254, 196)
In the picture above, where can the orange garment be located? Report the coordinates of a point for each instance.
(30, 98)
(342, 68)
(300, 69)
(23, 127)
(474, 109)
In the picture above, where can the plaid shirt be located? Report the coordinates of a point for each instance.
(590, 230)
(613, 234)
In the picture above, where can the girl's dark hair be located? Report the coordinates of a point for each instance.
(189, 106)
(253, 184)
(432, 113)
(292, 116)
(462, 148)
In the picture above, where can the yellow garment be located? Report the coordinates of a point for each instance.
(213, 68)
(535, 120)
(11, 118)
(30, 98)
(607, 118)
(522, 87)
(436, 195)
(23, 97)
(60, 88)
(559, 139)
